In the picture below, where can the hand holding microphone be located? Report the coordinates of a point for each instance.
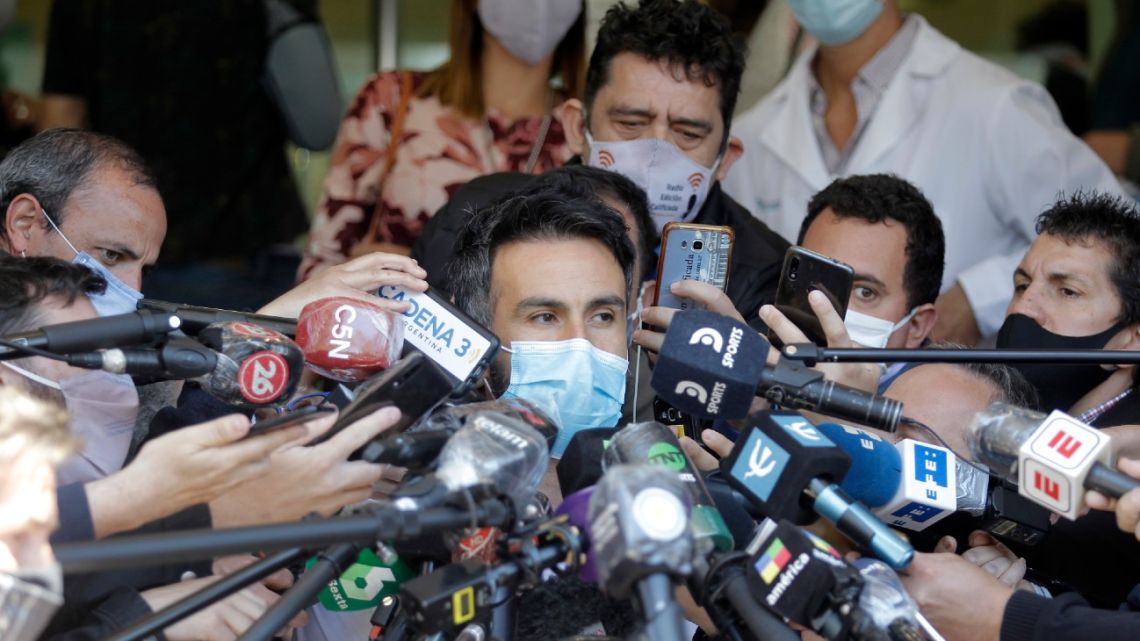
(347, 339)
(1127, 507)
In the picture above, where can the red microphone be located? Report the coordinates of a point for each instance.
(347, 339)
(256, 366)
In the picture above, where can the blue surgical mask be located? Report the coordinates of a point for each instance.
(578, 385)
(119, 297)
(836, 22)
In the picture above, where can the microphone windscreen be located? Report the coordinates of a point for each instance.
(256, 366)
(581, 464)
(576, 508)
(347, 339)
(876, 466)
(709, 365)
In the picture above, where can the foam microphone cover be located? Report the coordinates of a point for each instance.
(709, 365)
(581, 464)
(793, 571)
(256, 365)
(876, 466)
(347, 339)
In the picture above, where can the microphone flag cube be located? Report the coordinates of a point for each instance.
(1054, 461)
(928, 490)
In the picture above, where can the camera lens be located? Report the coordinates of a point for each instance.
(698, 245)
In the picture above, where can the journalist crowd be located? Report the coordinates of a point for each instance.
(590, 335)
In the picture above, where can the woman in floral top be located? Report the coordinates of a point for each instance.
(491, 108)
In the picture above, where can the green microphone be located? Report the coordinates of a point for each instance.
(652, 442)
(364, 584)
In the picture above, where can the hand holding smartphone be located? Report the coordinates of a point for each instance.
(692, 252)
(803, 271)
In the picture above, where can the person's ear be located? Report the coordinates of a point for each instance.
(1126, 339)
(23, 223)
(732, 152)
(574, 126)
(920, 325)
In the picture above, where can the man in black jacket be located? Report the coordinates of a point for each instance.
(660, 91)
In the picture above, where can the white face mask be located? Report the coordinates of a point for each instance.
(869, 331)
(675, 184)
(529, 29)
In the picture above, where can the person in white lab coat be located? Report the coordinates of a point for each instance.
(887, 93)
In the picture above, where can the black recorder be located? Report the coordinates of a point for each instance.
(454, 341)
(414, 385)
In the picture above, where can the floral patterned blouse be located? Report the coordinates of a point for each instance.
(439, 150)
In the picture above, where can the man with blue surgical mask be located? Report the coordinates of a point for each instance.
(884, 92)
(888, 232)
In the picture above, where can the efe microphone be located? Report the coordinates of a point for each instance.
(1053, 458)
(713, 366)
(784, 465)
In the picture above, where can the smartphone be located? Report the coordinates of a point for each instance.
(454, 341)
(803, 271)
(414, 385)
(281, 421)
(692, 252)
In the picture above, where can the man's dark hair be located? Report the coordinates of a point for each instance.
(25, 283)
(1010, 385)
(1086, 217)
(53, 164)
(694, 40)
(879, 197)
(542, 215)
(593, 183)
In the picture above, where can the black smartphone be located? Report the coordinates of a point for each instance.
(281, 421)
(803, 271)
(413, 384)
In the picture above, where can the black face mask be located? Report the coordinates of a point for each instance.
(1060, 386)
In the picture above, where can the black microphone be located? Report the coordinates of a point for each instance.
(1053, 458)
(196, 318)
(790, 470)
(120, 330)
(641, 542)
(177, 358)
(713, 366)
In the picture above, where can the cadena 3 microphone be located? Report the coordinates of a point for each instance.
(1053, 458)
(789, 470)
(641, 541)
(347, 339)
(910, 485)
(713, 366)
(120, 330)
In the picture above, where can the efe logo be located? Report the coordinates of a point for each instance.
(262, 377)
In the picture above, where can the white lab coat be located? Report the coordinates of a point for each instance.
(988, 149)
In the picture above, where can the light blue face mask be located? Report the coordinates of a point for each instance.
(579, 386)
(836, 22)
(119, 297)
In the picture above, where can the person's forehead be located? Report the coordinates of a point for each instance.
(635, 82)
(1088, 257)
(877, 248)
(574, 270)
(111, 206)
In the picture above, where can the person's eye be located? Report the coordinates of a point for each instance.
(109, 257)
(604, 317)
(1070, 293)
(865, 294)
(544, 318)
(1019, 287)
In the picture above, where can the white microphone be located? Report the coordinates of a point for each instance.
(927, 491)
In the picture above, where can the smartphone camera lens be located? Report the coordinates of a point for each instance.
(698, 245)
(793, 267)
(684, 244)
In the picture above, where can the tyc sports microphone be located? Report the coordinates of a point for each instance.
(784, 465)
(713, 366)
(347, 339)
(654, 443)
(641, 541)
(1053, 458)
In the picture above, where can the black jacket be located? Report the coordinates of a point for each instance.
(1029, 617)
(756, 259)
